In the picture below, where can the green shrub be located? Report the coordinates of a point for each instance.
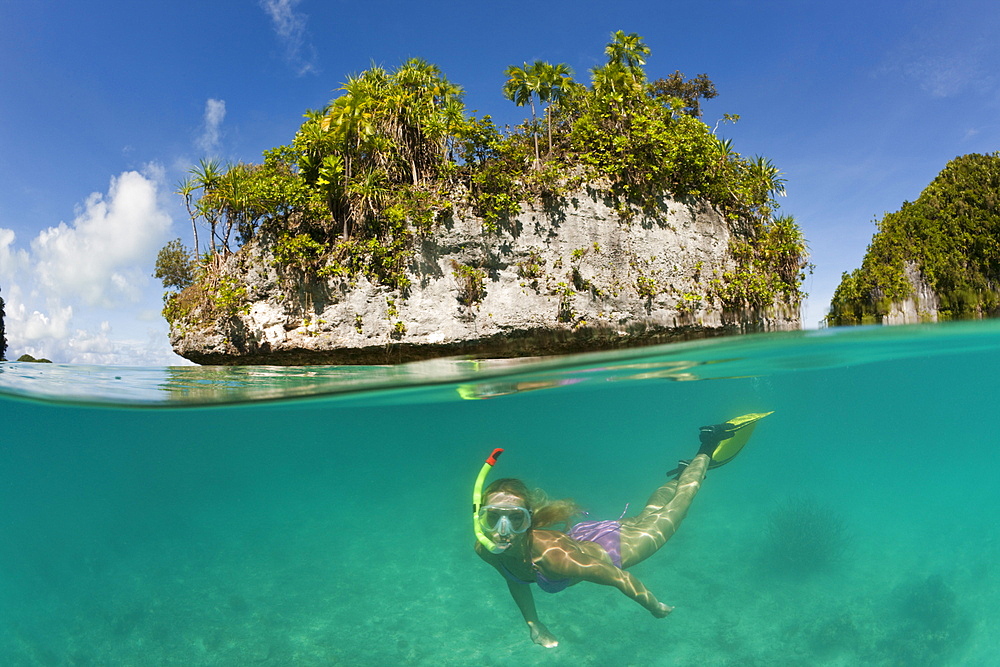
(471, 284)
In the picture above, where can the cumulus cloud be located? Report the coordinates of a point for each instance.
(291, 29)
(103, 255)
(215, 113)
(100, 262)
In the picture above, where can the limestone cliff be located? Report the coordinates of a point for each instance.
(920, 307)
(570, 279)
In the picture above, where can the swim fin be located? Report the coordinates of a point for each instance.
(722, 442)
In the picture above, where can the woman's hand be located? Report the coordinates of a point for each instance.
(661, 610)
(541, 635)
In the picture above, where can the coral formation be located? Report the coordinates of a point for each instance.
(804, 536)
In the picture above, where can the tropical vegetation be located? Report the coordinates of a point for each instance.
(949, 237)
(396, 153)
(3, 336)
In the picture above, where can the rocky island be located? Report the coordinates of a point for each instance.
(935, 259)
(397, 227)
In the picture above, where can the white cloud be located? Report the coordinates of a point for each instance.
(215, 113)
(98, 265)
(104, 255)
(291, 29)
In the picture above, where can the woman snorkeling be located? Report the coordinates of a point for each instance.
(514, 532)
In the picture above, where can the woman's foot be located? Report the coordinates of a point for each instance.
(541, 635)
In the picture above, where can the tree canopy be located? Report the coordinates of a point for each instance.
(175, 266)
(950, 235)
(395, 152)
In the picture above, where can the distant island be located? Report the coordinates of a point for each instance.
(397, 226)
(936, 258)
(30, 359)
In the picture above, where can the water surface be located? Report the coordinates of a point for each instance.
(319, 515)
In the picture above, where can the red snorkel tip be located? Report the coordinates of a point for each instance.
(492, 458)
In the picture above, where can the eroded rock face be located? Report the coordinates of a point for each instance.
(572, 279)
(923, 304)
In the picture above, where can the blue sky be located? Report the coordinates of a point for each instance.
(105, 106)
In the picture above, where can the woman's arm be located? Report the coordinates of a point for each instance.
(526, 603)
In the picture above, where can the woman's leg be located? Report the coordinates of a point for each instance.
(643, 534)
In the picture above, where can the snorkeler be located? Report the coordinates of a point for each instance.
(514, 532)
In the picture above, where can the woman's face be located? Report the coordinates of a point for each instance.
(505, 519)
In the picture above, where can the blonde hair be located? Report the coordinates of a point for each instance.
(545, 513)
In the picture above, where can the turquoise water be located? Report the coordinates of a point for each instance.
(316, 516)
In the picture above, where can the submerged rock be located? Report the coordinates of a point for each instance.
(568, 278)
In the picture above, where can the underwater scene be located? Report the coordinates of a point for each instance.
(322, 515)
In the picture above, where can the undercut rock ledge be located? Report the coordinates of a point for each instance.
(571, 278)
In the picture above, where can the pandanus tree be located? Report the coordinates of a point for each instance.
(223, 202)
(186, 189)
(206, 177)
(425, 110)
(348, 124)
(237, 198)
(768, 177)
(386, 129)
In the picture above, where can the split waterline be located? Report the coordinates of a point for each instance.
(320, 515)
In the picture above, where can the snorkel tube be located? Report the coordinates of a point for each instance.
(477, 496)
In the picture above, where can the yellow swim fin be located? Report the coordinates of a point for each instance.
(728, 437)
(722, 442)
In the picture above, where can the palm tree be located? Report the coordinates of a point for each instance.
(616, 87)
(622, 79)
(521, 86)
(627, 50)
(554, 84)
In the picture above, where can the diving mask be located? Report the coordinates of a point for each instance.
(505, 520)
